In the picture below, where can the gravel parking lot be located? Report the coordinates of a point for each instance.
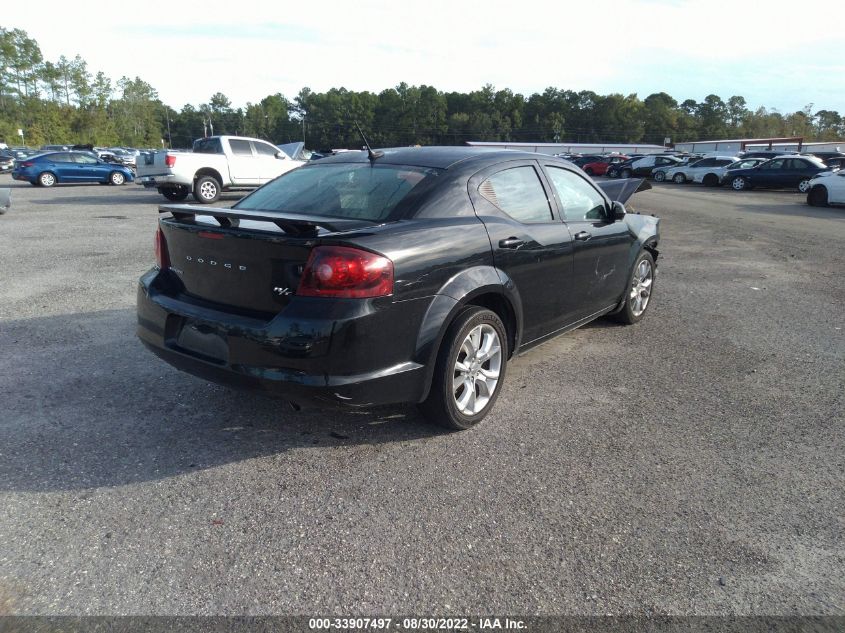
(691, 464)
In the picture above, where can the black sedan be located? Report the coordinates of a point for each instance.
(785, 171)
(404, 275)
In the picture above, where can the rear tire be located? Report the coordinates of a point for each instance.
(589, 171)
(469, 371)
(46, 179)
(817, 196)
(176, 194)
(206, 190)
(659, 176)
(625, 173)
(710, 180)
(639, 291)
(804, 185)
(679, 179)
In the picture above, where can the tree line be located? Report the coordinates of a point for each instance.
(63, 101)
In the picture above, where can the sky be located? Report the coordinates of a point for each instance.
(772, 53)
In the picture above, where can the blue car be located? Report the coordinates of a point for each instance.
(66, 167)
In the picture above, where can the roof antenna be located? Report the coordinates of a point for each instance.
(372, 155)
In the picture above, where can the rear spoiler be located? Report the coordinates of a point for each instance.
(292, 223)
(621, 190)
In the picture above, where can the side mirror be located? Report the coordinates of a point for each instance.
(280, 155)
(617, 211)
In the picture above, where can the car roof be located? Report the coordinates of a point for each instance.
(437, 157)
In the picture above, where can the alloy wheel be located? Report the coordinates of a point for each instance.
(477, 368)
(208, 190)
(641, 287)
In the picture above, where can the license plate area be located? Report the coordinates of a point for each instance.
(196, 338)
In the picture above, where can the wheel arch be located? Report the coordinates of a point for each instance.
(481, 286)
(208, 171)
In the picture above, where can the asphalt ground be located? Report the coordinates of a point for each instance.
(690, 464)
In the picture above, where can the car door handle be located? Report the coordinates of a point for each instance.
(511, 242)
(583, 236)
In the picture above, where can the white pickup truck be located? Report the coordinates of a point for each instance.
(216, 164)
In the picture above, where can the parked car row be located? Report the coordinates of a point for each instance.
(789, 170)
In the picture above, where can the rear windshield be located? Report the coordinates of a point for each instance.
(344, 190)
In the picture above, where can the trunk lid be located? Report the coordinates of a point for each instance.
(241, 261)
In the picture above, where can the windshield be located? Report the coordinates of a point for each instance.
(343, 190)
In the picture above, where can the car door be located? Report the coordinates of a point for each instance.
(643, 166)
(801, 169)
(770, 174)
(602, 246)
(268, 165)
(243, 165)
(663, 162)
(89, 168)
(530, 244)
(65, 168)
(696, 169)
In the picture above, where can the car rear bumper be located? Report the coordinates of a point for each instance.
(285, 357)
(159, 180)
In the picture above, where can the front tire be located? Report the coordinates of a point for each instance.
(659, 176)
(469, 371)
(46, 179)
(739, 184)
(640, 289)
(117, 178)
(206, 190)
(710, 180)
(817, 197)
(589, 171)
(625, 173)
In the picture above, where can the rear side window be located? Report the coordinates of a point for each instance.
(776, 164)
(84, 159)
(240, 148)
(721, 162)
(519, 193)
(580, 201)
(208, 146)
(344, 190)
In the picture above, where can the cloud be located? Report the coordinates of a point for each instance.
(250, 49)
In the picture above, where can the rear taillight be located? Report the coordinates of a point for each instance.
(343, 272)
(162, 256)
(28, 163)
(170, 160)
